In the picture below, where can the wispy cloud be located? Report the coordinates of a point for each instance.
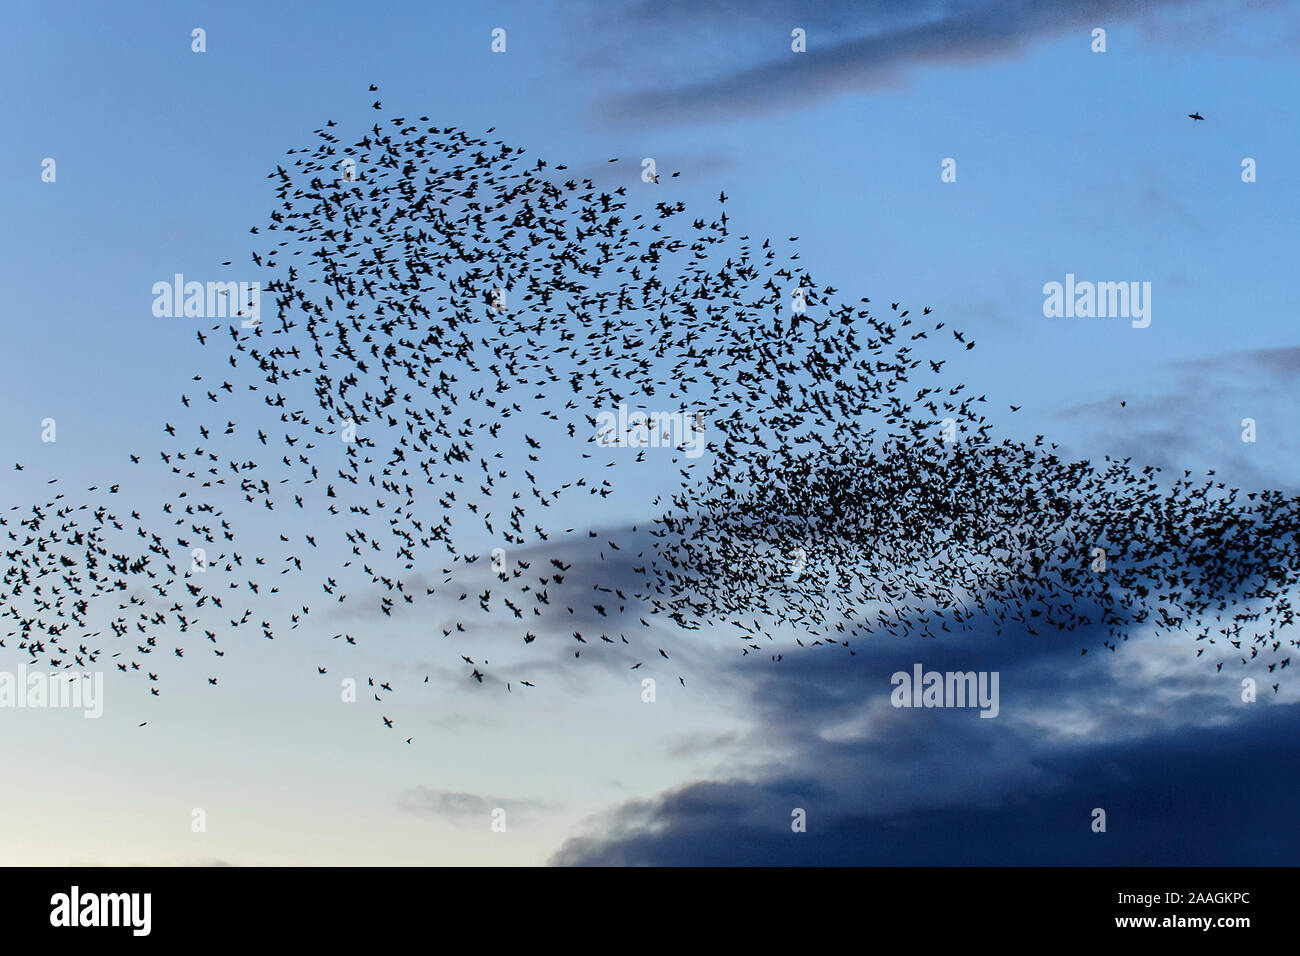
(461, 808)
(1191, 417)
(886, 40)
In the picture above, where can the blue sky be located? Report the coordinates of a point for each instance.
(1068, 161)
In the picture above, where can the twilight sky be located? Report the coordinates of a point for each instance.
(1068, 162)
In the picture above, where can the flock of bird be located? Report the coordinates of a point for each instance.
(443, 320)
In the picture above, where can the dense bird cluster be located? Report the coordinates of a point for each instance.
(449, 317)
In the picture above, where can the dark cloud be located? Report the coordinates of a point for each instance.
(1220, 797)
(1152, 734)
